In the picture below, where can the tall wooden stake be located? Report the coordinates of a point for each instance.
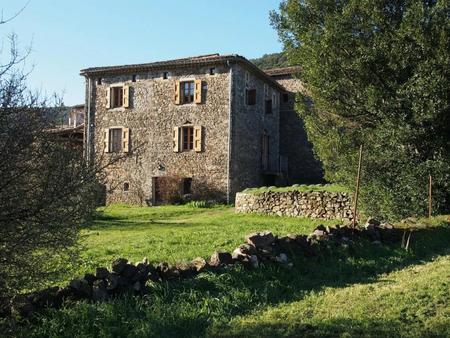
(430, 201)
(358, 179)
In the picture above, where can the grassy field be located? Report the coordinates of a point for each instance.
(368, 290)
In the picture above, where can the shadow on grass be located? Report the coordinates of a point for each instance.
(204, 305)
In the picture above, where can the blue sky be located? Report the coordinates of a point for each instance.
(69, 35)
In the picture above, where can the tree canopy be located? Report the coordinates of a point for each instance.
(273, 60)
(377, 72)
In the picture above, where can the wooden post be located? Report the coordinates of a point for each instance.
(430, 201)
(358, 179)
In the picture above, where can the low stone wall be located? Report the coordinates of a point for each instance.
(313, 204)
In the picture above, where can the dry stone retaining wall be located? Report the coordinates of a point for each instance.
(313, 204)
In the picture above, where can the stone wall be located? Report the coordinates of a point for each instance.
(313, 204)
(151, 117)
(303, 167)
(249, 123)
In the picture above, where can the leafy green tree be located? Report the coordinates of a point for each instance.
(378, 74)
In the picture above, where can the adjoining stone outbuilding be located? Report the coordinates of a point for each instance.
(204, 127)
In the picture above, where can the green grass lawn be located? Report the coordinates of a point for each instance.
(367, 290)
(175, 233)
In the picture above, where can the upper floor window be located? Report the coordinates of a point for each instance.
(212, 71)
(99, 81)
(133, 78)
(187, 91)
(187, 138)
(118, 96)
(165, 75)
(117, 140)
(187, 135)
(250, 97)
(285, 97)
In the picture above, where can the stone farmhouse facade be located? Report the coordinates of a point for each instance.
(205, 127)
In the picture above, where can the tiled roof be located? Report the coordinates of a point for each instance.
(283, 71)
(209, 59)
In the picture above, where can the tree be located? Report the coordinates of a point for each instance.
(377, 72)
(47, 190)
(271, 61)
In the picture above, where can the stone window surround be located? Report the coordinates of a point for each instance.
(122, 128)
(109, 87)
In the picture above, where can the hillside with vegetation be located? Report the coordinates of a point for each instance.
(273, 60)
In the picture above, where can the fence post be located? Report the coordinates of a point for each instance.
(430, 201)
(358, 179)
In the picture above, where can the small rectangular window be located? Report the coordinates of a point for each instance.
(187, 186)
(212, 71)
(133, 78)
(115, 140)
(187, 91)
(268, 108)
(187, 136)
(250, 97)
(116, 97)
(99, 81)
(126, 186)
(165, 75)
(285, 97)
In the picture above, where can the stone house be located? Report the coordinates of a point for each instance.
(206, 127)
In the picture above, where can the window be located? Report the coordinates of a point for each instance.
(165, 75)
(126, 186)
(133, 78)
(247, 79)
(187, 91)
(187, 186)
(99, 81)
(212, 71)
(187, 136)
(116, 97)
(285, 97)
(115, 140)
(268, 107)
(250, 97)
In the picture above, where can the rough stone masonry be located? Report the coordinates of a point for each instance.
(213, 122)
(312, 204)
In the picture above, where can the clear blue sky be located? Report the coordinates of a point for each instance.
(69, 35)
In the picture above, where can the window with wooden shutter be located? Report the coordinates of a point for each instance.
(125, 140)
(108, 97)
(176, 139)
(106, 139)
(126, 96)
(198, 138)
(198, 91)
(177, 92)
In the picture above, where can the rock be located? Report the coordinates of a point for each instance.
(22, 306)
(90, 278)
(129, 271)
(46, 298)
(372, 222)
(112, 281)
(220, 258)
(260, 239)
(99, 290)
(137, 287)
(101, 273)
(282, 258)
(82, 287)
(119, 265)
(254, 261)
(387, 226)
(321, 227)
(187, 270)
(199, 264)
